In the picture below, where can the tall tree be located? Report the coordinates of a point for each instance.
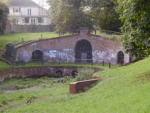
(105, 15)
(3, 17)
(69, 15)
(135, 15)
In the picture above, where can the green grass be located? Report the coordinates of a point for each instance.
(120, 90)
(36, 64)
(4, 65)
(19, 37)
(106, 35)
(31, 64)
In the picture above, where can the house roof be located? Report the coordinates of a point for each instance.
(23, 3)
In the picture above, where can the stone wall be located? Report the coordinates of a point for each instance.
(62, 49)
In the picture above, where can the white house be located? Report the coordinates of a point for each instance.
(27, 12)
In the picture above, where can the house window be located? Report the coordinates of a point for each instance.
(29, 12)
(23, 20)
(17, 21)
(40, 20)
(16, 10)
(26, 20)
(34, 20)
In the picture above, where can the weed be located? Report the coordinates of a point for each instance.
(4, 102)
(30, 99)
(85, 74)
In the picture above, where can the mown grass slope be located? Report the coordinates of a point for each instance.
(121, 90)
(19, 37)
(3, 65)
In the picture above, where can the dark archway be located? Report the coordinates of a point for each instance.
(120, 58)
(83, 52)
(37, 55)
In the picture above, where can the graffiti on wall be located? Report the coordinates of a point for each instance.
(65, 55)
(107, 56)
(23, 56)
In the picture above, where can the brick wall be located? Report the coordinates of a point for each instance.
(62, 49)
(39, 71)
(80, 86)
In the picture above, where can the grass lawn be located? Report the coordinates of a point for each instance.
(36, 64)
(3, 65)
(30, 64)
(120, 90)
(19, 37)
(106, 35)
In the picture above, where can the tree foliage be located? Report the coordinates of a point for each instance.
(135, 15)
(105, 15)
(69, 15)
(3, 17)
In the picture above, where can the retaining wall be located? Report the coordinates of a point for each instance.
(51, 71)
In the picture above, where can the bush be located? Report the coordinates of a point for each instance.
(65, 79)
(85, 74)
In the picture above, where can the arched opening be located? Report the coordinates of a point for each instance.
(59, 73)
(120, 58)
(83, 52)
(74, 73)
(37, 55)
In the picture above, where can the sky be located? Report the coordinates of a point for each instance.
(42, 3)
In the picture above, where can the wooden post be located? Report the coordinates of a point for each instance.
(109, 65)
(103, 63)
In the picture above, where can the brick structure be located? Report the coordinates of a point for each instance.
(51, 71)
(83, 47)
(80, 86)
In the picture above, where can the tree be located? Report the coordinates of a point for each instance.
(3, 17)
(105, 15)
(69, 15)
(135, 15)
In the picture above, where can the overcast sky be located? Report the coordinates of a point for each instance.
(42, 3)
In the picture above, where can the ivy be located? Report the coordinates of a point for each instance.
(135, 15)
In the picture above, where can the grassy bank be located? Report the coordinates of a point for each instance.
(3, 65)
(120, 90)
(37, 64)
(19, 37)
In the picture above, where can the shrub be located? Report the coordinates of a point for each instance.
(65, 79)
(85, 74)
(4, 102)
(30, 99)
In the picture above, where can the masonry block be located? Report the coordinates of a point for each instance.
(77, 87)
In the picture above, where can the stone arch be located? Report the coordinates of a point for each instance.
(120, 58)
(83, 52)
(37, 55)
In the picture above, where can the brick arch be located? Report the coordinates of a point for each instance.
(83, 52)
(120, 58)
(37, 55)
